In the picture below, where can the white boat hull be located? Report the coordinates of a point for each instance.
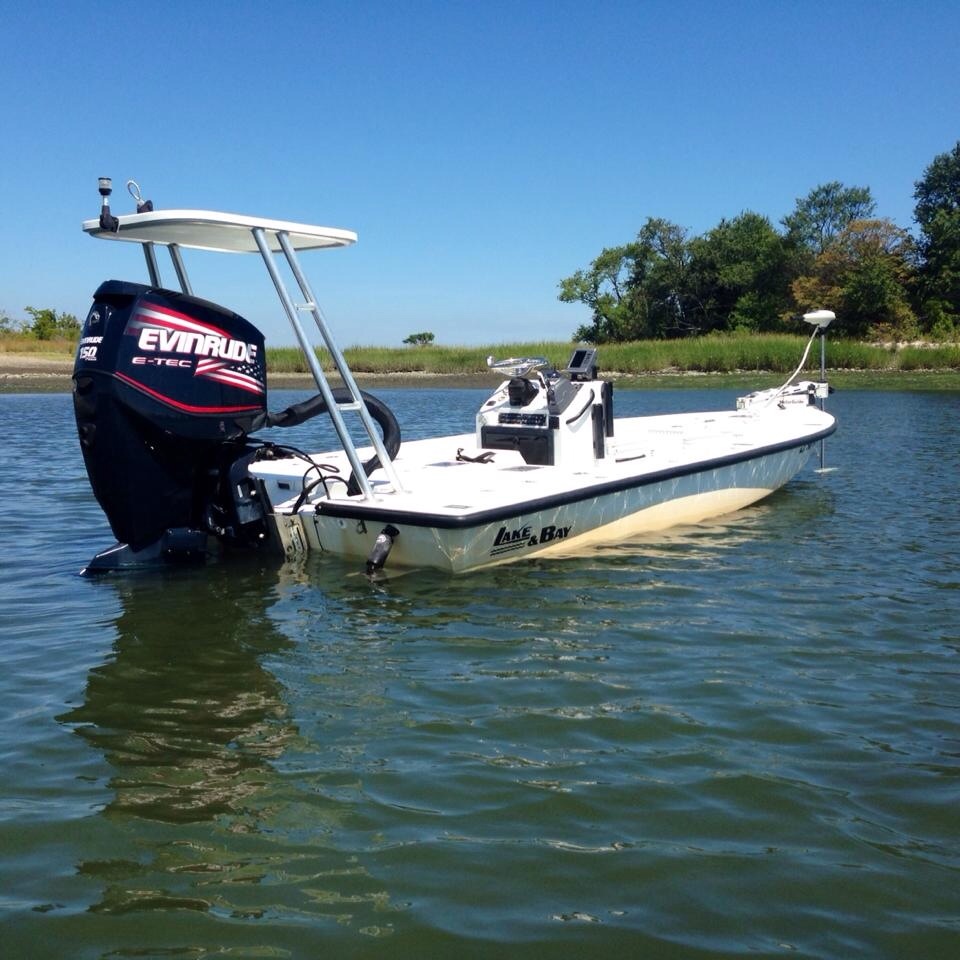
(564, 512)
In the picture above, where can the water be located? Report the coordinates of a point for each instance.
(738, 739)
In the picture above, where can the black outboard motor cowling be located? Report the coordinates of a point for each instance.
(166, 388)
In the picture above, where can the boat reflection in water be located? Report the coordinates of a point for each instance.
(207, 811)
(184, 710)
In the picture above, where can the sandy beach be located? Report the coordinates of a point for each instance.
(29, 373)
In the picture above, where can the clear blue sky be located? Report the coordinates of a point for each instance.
(482, 150)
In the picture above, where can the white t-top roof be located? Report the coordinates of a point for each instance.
(223, 232)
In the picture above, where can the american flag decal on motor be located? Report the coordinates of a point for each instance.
(242, 375)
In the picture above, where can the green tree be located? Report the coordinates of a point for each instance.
(662, 285)
(606, 288)
(743, 275)
(864, 275)
(47, 324)
(637, 290)
(937, 213)
(824, 212)
(419, 339)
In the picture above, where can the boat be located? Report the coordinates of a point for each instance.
(170, 394)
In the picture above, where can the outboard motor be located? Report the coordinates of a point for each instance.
(166, 389)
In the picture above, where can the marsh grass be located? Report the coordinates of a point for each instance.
(942, 357)
(727, 353)
(717, 353)
(56, 349)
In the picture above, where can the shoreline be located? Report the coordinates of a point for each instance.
(32, 373)
(29, 373)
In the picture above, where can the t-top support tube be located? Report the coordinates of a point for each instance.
(346, 440)
(150, 255)
(181, 270)
(339, 361)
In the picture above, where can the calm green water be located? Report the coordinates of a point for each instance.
(736, 740)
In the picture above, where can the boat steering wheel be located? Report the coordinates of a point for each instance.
(516, 366)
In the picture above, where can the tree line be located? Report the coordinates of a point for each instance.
(745, 274)
(44, 324)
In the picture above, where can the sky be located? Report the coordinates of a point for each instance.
(483, 150)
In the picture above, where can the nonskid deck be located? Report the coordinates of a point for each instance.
(436, 482)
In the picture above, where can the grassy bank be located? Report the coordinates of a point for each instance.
(772, 354)
(715, 354)
(16, 345)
